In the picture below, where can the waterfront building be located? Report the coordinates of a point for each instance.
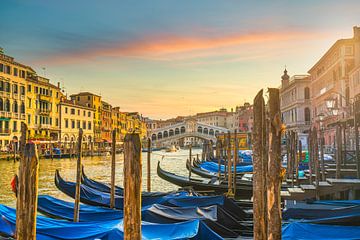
(330, 81)
(106, 121)
(118, 119)
(214, 118)
(26, 97)
(245, 118)
(72, 118)
(295, 102)
(136, 123)
(12, 98)
(91, 100)
(42, 109)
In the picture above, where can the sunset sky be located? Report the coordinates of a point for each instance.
(165, 58)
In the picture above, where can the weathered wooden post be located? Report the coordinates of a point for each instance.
(300, 160)
(92, 148)
(149, 165)
(274, 167)
(292, 154)
(310, 156)
(190, 159)
(132, 187)
(323, 177)
(338, 151)
(78, 177)
(288, 161)
(260, 168)
(230, 187)
(220, 157)
(236, 155)
(296, 157)
(113, 152)
(344, 140)
(316, 162)
(356, 125)
(26, 203)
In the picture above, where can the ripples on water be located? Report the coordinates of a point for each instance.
(97, 168)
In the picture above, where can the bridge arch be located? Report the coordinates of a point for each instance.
(177, 131)
(171, 132)
(182, 129)
(153, 137)
(206, 131)
(166, 134)
(160, 135)
(200, 130)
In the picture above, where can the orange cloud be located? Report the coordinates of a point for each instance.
(157, 48)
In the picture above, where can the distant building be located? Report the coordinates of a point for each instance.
(106, 121)
(72, 118)
(295, 102)
(330, 79)
(91, 100)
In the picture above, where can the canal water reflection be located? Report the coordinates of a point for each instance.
(97, 168)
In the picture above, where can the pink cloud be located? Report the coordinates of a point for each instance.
(160, 47)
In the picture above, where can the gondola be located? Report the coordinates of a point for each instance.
(102, 187)
(94, 197)
(207, 174)
(216, 214)
(243, 187)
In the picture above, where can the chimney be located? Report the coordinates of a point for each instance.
(58, 84)
(356, 32)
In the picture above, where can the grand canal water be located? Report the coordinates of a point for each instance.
(97, 168)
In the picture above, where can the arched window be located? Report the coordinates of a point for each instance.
(307, 93)
(182, 129)
(153, 137)
(307, 115)
(159, 135)
(22, 107)
(1, 105)
(206, 131)
(166, 134)
(177, 131)
(200, 129)
(7, 105)
(15, 107)
(171, 132)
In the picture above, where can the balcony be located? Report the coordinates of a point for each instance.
(15, 95)
(43, 111)
(44, 98)
(22, 116)
(8, 114)
(22, 97)
(4, 132)
(45, 126)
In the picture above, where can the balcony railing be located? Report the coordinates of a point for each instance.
(43, 111)
(45, 126)
(5, 132)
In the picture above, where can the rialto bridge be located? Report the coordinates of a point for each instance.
(187, 129)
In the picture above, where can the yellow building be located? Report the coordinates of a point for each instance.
(26, 97)
(42, 108)
(72, 118)
(12, 98)
(91, 100)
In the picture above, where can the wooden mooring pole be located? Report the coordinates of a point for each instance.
(190, 159)
(26, 203)
(113, 151)
(149, 165)
(260, 168)
(230, 185)
(310, 156)
(132, 187)
(236, 155)
(338, 151)
(323, 177)
(274, 167)
(316, 162)
(356, 125)
(78, 177)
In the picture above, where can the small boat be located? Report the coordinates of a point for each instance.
(102, 187)
(48, 228)
(95, 197)
(244, 188)
(206, 174)
(171, 149)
